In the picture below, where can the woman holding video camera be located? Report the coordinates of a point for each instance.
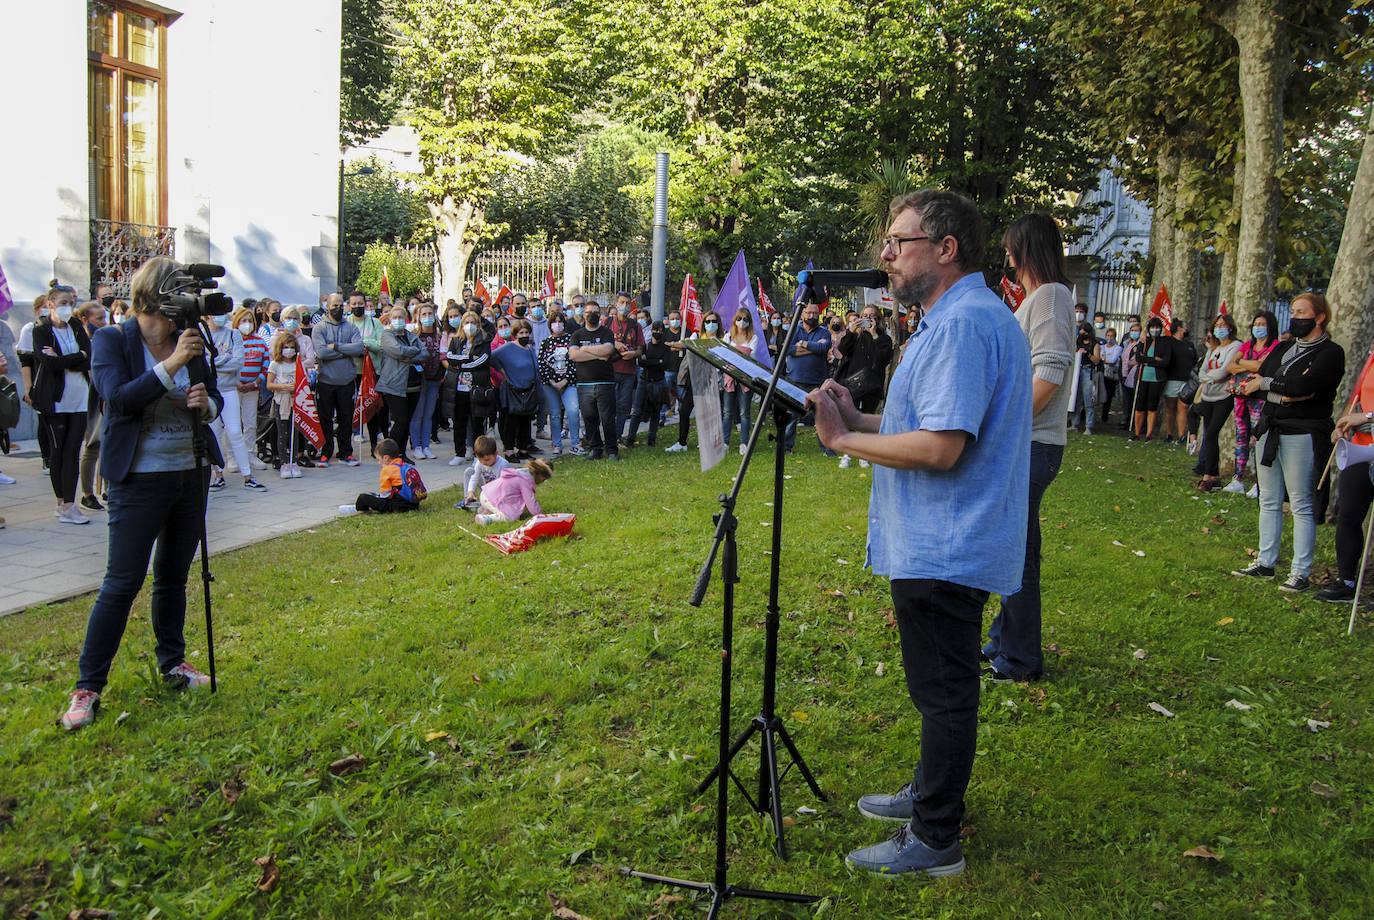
(142, 370)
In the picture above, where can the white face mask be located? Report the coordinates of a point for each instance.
(288, 352)
(64, 313)
(555, 328)
(470, 328)
(246, 328)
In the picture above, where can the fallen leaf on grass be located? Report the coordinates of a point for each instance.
(1161, 710)
(1202, 853)
(803, 810)
(1193, 594)
(849, 616)
(1206, 529)
(561, 910)
(880, 670)
(1323, 790)
(230, 790)
(270, 873)
(889, 618)
(842, 561)
(838, 593)
(668, 899)
(1117, 543)
(1251, 553)
(122, 717)
(1314, 726)
(346, 765)
(476, 679)
(1139, 654)
(1138, 552)
(336, 581)
(698, 809)
(801, 716)
(1054, 647)
(1226, 621)
(1218, 520)
(1237, 704)
(789, 821)
(435, 736)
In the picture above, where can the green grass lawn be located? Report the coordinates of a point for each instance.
(531, 724)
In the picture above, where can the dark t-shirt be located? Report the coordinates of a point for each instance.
(600, 370)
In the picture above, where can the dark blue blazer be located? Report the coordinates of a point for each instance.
(128, 386)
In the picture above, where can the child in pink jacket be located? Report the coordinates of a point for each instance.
(511, 494)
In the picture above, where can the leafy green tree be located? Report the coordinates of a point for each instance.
(367, 96)
(381, 206)
(406, 271)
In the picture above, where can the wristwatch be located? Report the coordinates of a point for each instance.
(1369, 416)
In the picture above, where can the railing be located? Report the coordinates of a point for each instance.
(1115, 290)
(604, 271)
(118, 249)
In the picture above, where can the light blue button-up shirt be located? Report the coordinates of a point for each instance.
(967, 368)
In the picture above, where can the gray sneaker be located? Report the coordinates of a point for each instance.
(894, 807)
(903, 853)
(1295, 584)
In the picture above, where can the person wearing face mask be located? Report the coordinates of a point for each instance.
(336, 345)
(399, 377)
(250, 385)
(653, 385)
(865, 353)
(1111, 374)
(281, 383)
(291, 322)
(1214, 398)
(1153, 354)
(710, 324)
(736, 397)
(629, 345)
(269, 319)
(1249, 357)
(593, 349)
(558, 379)
(426, 328)
(1183, 358)
(673, 328)
(9, 367)
(93, 316)
(773, 333)
(519, 369)
(61, 394)
(1130, 374)
(1298, 382)
(1090, 357)
(23, 348)
(228, 425)
(468, 354)
(363, 316)
(806, 366)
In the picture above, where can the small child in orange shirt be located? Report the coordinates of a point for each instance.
(398, 489)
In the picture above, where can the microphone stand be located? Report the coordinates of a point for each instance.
(195, 369)
(726, 524)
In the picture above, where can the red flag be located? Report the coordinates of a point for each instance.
(502, 295)
(765, 305)
(1012, 293)
(547, 293)
(479, 292)
(303, 412)
(690, 307)
(368, 401)
(386, 284)
(1163, 309)
(1222, 308)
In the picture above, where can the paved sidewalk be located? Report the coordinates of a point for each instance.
(43, 560)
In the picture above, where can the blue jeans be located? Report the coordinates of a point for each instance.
(737, 406)
(144, 509)
(422, 419)
(624, 402)
(1292, 468)
(561, 406)
(597, 402)
(1086, 396)
(938, 623)
(1014, 637)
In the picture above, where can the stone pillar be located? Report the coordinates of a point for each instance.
(573, 251)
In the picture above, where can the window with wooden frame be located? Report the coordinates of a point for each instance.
(128, 120)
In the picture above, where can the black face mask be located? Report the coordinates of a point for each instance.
(522, 339)
(519, 310)
(659, 337)
(276, 317)
(1301, 328)
(336, 313)
(809, 323)
(358, 311)
(593, 320)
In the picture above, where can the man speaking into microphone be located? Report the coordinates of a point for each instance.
(947, 512)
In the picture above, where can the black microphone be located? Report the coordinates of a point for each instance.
(869, 278)
(203, 270)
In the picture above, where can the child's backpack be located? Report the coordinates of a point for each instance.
(412, 486)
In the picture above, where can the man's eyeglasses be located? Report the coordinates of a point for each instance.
(895, 242)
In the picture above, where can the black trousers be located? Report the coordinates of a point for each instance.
(940, 623)
(335, 402)
(1357, 493)
(66, 434)
(399, 409)
(515, 431)
(1214, 415)
(370, 502)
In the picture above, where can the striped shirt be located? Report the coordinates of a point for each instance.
(254, 360)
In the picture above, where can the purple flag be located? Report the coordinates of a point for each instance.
(6, 299)
(738, 294)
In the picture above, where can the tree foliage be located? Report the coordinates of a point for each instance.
(406, 271)
(367, 96)
(381, 206)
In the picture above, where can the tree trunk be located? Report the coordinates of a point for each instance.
(708, 255)
(1261, 34)
(1230, 249)
(453, 244)
(1351, 292)
(1163, 233)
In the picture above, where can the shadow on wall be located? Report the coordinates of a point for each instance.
(262, 270)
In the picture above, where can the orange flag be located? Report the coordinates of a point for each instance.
(303, 411)
(479, 292)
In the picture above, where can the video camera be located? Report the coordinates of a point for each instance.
(182, 297)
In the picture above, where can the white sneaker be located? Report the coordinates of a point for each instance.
(256, 463)
(430, 455)
(675, 447)
(864, 463)
(482, 519)
(743, 449)
(1254, 491)
(1235, 485)
(296, 471)
(73, 515)
(456, 461)
(844, 462)
(7, 480)
(286, 471)
(348, 509)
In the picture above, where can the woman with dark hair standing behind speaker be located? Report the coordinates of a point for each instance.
(153, 411)
(61, 393)
(1035, 251)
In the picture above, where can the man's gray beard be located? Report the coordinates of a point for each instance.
(914, 291)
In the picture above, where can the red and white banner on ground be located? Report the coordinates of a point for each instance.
(547, 292)
(690, 307)
(1163, 309)
(303, 412)
(1012, 293)
(369, 401)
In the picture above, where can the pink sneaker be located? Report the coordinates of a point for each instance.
(187, 677)
(81, 710)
